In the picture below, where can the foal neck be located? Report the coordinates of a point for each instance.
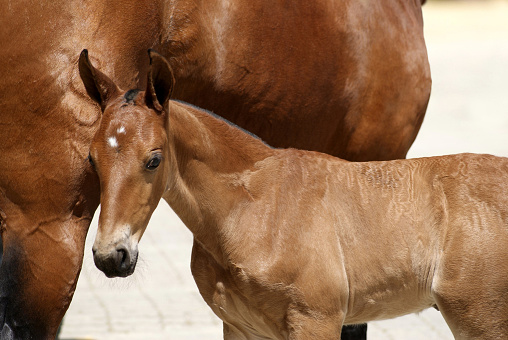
(211, 163)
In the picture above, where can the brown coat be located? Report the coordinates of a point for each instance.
(292, 244)
(345, 77)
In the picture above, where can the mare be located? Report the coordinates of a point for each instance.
(349, 78)
(292, 244)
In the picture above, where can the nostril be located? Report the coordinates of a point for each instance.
(122, 258)
(122, 254)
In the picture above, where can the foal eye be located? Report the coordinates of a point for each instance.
(154, 162)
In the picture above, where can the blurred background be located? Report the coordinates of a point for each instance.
(467, 44)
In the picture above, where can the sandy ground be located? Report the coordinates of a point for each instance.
(468, 112)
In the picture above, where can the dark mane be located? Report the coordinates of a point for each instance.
(131, 95)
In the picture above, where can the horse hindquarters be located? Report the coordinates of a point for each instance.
(471, 285)
(474, 313)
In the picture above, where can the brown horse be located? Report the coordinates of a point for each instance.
(344, 77)
(292, 244)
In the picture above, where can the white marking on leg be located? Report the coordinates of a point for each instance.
(112, 142)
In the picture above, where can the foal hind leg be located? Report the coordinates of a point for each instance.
(474, 321)
(470, 287)
(474, 303)
(482, 315)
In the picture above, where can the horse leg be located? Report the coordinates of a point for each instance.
(304, 326)
(206, 274)
(476, 321)
(37, 282)
(43, 249)
(354, 332)
(470, 288)
(481, 315)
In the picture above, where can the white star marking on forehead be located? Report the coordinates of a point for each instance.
(121, 129)
(112, 142)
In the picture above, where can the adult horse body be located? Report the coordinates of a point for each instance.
(361, 65)
(344, 62)
(291, 244)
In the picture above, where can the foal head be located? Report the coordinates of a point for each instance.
(130, 155)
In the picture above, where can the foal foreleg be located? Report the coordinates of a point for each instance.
(231, 333)
(306, 326)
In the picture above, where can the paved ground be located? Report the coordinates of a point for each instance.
(468, 51)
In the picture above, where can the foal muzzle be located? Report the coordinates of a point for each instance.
(119, 260)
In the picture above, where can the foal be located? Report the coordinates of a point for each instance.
(290, 244)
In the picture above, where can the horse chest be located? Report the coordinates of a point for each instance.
(240, 306)
(243, 319)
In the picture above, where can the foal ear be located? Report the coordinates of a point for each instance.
(98, 85)
(159, 85)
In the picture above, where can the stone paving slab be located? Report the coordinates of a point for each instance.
(468, 50)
